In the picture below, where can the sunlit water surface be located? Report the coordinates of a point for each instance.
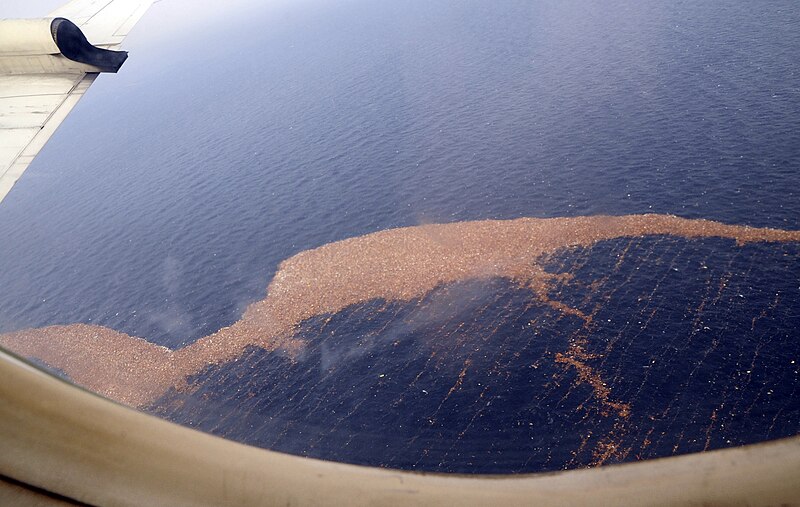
(165, 203)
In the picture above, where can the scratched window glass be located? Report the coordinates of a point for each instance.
(465, 237)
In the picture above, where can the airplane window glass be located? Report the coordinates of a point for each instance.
(465, 237)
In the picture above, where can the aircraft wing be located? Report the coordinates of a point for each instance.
(47, 64)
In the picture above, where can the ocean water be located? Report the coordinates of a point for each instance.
(165, 203)
(481, 377)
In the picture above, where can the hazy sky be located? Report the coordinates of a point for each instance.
(168, 12)
(28, 8)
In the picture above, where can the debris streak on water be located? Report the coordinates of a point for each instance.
(422, 265)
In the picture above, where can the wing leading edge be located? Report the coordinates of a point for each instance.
(45, 70)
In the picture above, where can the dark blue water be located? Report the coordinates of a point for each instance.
(165, 202)
(468, 379)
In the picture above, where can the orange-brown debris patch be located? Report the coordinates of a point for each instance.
(395, 265)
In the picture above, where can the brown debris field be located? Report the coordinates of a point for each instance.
(395, 265)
